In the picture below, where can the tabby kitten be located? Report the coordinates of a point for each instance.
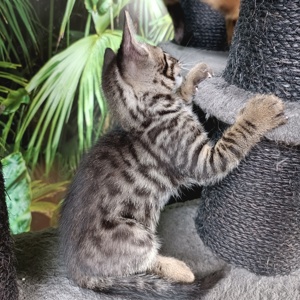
(109, 217)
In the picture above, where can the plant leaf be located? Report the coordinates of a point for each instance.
(18, 195)
(103, 19)
(41, 190)
(15, 15)
(155, 23)
(43, 207)
(66, 19)
(76, 69)
(14, 100)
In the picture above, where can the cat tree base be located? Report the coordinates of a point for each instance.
(251, 218)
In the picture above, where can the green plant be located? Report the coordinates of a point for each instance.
(10, 100)
(67, 111)
(18, 193)
(24, 196)
(17, 31)
(16, 177)
(14, 16)
(17, 34)
(43, 191)
(70, 82)
(154, 23)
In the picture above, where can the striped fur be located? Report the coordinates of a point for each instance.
(109, 217)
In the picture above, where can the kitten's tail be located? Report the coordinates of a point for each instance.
(146, 286)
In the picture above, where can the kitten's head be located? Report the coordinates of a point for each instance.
(138, 69)
(142, 65)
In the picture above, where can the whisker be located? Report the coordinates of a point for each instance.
(189, 64)
(187, 69)
(185, 55)
(188, 41)
(187, 58)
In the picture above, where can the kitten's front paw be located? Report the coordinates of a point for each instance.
(197, 74)
(264, 112)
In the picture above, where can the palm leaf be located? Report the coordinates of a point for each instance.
(75, 71)
(161, 29)
(104, 19)
(43, 207)
(100, 10)
(6, 74)
(155, 24)
(10, 100)
(14, 15)
(41, 190)
(66, 18)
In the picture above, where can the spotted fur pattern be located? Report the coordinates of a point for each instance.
(110, 215)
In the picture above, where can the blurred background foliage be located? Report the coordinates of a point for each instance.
(51, 105)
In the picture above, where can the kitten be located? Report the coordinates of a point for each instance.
(109, 217)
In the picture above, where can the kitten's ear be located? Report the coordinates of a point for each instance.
(109, 55)
(130, 46)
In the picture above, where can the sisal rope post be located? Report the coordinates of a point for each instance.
(203, 27)
(252, 218)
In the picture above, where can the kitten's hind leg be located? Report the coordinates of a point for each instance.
(172, 268)
(197, 74)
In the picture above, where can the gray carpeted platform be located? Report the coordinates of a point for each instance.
(42, 276)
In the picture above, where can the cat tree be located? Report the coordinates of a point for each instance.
(252, 217)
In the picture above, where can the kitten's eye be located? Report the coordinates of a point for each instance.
(168, 65)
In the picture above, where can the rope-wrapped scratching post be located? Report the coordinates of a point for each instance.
(265, 56)
(252, 217)
(203, 27)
